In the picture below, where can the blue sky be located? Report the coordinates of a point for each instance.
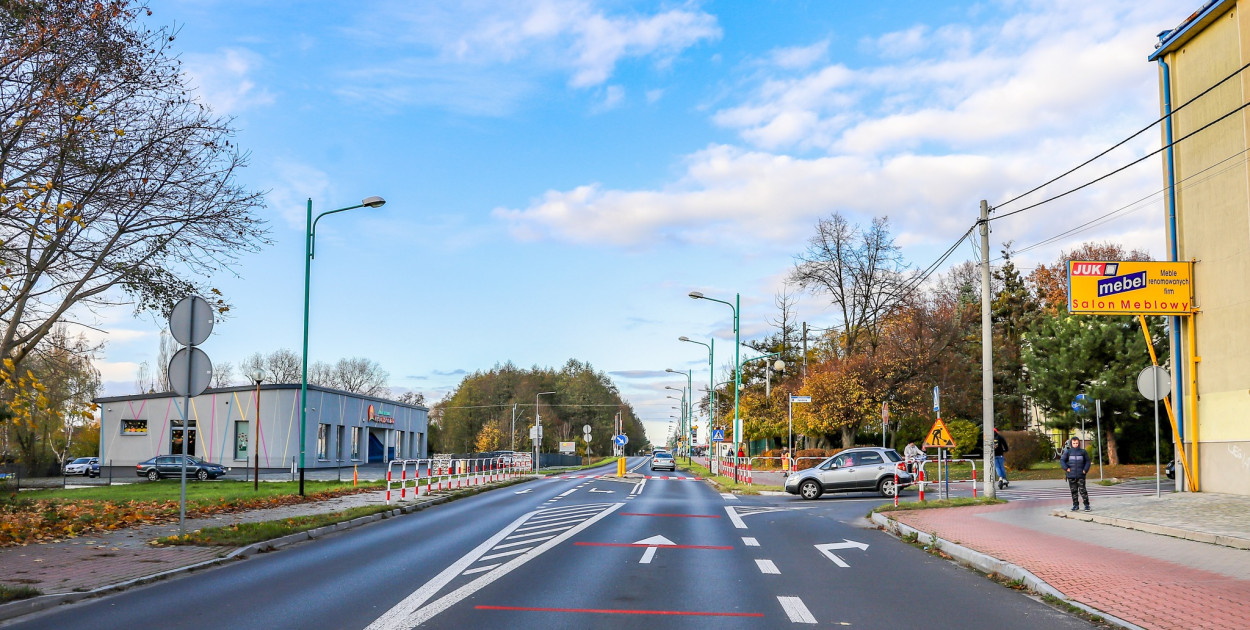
(560, 173)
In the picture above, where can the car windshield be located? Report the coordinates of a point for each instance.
(893, 456)
(663, 456)
(82, 460)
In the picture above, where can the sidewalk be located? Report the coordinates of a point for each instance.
(1146, 579)
(95, 561)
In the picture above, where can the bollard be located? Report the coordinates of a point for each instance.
(388, 485)
(403, 480)
(355, 475)
(974, 480)
(896, 492)
(921, 485)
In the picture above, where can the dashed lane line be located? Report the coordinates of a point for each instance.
(750, 542)
(795, 610)
(729, 497)
(767, 567)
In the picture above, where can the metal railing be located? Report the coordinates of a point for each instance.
(444, 474)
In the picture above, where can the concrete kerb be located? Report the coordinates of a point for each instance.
(22, 607)
(990, 564)
(1151, 528)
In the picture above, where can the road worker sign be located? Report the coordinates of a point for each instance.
(939, 436)
(1130, 287)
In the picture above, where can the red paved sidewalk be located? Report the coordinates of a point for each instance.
(1142, 590)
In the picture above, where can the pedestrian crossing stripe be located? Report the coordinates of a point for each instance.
(939, 436)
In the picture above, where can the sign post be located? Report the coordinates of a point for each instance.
(1154, 383)
(885, 421)
(190, 371)
(790, 437)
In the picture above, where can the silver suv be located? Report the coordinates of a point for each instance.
(852, 470)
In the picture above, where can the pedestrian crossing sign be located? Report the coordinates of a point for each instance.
(939, 436)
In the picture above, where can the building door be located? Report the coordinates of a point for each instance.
(376, 450)
(241, 436)
(175, 441)
(340, 446)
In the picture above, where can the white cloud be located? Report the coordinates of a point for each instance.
(117, 371)
(977, 111)
(799, 57)
(654, 95)
(292, 184)
(613, 96)
(224, 81)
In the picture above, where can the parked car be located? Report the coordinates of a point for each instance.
(853, 470)
(94, 471)
(171, 466)
(81, 466)
(661, 459)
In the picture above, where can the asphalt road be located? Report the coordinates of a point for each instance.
(584, 552)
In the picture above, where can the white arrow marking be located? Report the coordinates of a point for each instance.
(653, 542)
(828, 548)
(601, 491)
(525, 491)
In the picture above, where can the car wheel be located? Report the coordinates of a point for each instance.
(810, 490)
(202, 475)
(153, 475)
(887, 487)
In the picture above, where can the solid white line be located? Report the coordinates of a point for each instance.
(647, 555)
(567, 493)
(405, 618)
(480, 569)
(559, 521)
(767, 567)
(729, 497)
(733, 516)
(795, 610)
(750, 542)
(504, 554)
(548, 517)
(545, 531)
(638, 487)
(523, 542)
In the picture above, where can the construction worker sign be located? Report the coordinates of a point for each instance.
(939, 436)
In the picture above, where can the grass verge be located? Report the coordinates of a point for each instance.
(14, 593)
(240, 534)
(726, 483)
(567, 469)
(199, 493)
(932, 505)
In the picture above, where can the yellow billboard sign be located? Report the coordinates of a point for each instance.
(1099, 287)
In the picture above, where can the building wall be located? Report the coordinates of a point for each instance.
(217, 416)
(1213, 228)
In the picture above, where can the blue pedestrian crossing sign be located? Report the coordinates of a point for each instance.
(620, 440)
(718, 435)
(1081, 403)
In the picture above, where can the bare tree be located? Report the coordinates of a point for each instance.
(411, 397)
(860, 270)
(144, 380)
(284, 366)
(223, 374)
(166, 353)
(361, 376)
(118, 186)
(321, 373)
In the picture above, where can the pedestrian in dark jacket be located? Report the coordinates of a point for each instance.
(1000, 451)
(1075, 462)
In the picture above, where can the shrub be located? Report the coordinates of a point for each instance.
(967, 436)
(1026, 448)
(769, 459)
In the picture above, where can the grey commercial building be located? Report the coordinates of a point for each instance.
(341, 429)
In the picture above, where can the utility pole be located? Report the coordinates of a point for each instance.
(513, 447)
(987, 357)
(805, 350)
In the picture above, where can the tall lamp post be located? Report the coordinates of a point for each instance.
(257, 376)
(711, 378)
(538, 429)
(735, 306)
(310, 248)
(689, 411)
(681, 401)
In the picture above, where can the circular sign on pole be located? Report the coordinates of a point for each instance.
(190, 372)
(1080, 404)
(1154, 383)
(191, 321)
(586, 429)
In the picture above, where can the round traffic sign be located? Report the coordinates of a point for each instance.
(586, 429)
(191, 321)
(190, 372)
(1154, 383)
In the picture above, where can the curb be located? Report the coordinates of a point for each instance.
(1151, 528)
(22, 607)
(990, 564)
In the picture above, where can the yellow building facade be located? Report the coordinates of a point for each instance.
(1208, 221)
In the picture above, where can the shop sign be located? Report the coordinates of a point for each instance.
(1130, 287)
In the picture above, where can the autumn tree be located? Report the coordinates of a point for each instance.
(490, 438)
(840, 402)
(63, 373)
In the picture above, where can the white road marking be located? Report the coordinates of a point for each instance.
(504, 554)
(733, 516)
(640, 465)
(795, 610)
(729, 497)
(750, 542)
(647, 555)
(638, 487)
(523, 542)
(525, 491)
(767, 567)
(559, 521)
(567, 493)
(480, 569)
(846, 544)
(596, 490)
(412, 611)
(545, 531)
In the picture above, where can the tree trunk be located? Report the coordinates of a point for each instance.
(848, 437)
(1112, 458)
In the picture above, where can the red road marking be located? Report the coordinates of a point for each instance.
(602, 544)
(612, 611)
(680, 515)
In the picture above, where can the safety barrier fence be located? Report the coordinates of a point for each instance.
(943, 469)
(425, 476)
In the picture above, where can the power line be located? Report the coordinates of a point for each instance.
(1124, 141)
(1126, 166)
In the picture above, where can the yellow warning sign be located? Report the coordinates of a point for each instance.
(939, 436)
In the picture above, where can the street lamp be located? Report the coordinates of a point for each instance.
(538, 429)
(310, 248)
(711, 378)
(689, 411)
(735, 306)
(257, 376)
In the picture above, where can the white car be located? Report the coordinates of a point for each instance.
(661, 459)
(81, 466)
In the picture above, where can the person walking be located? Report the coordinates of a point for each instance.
(1000, 452)
(915, 457)
(1075, 462)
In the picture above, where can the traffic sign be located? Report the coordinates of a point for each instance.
(939, 436)
(801, 399)
(937, 402)
(191, 321)
(620, 440)
(718, 435)
(586, 429)
(1080, 403)
(1154, 383)
(190, 372)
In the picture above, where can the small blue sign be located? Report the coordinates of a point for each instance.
(718, 435)
(620, 440)
(1081, 403)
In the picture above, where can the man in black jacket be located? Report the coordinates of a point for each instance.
(1075, 462)
(1000, 451)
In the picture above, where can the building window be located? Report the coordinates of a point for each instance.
(356, 443)
(134, 427)
(240, 439)
(323, 441)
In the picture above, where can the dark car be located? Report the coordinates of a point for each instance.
(171, 466)
(852, 470)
